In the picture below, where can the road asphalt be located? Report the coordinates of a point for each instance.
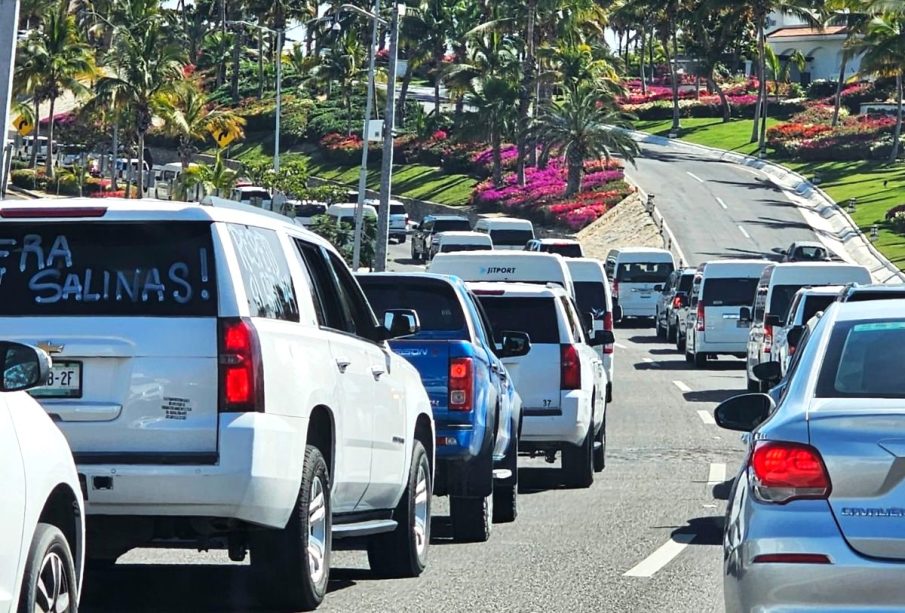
(645, 537)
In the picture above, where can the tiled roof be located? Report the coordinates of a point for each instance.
(797, 31)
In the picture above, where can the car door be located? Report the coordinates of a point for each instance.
(382, 393)
(499, 376)
(12, 511)
(756, 332)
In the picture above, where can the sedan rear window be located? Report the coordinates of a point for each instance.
(452, 225)
(864, 359)
(685, 283)
(107, 268)
(644, 272)
(536, 316)
(729, 292)
(511, 238)
(436, 303)
(447, 248)
(569, 250)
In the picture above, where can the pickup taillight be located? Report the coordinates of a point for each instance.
(461, 384)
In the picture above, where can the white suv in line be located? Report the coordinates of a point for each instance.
(42, 518)
(222, 382)
(561, 380)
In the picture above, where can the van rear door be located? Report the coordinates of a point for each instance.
(723, 299)
(128, 311)
(636, 281)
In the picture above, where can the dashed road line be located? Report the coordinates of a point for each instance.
(651, 362)
(744, 232)
(620, 346)
(682, 387)
(717, 474)
(706, 417)
(694, 176)
(722, 204)
(649, 566)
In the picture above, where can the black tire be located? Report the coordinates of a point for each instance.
(279, 558)
(403, 552)
(578, 463)
(700, 360)
(671, 332)
(505, 495)
(681, 342)
(661, 331)
(49, 552)
(472, 518)
(600, 448)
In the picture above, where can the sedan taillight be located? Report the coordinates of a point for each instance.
(785, 471)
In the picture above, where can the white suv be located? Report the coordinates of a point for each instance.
(561, 380)
(223, 382)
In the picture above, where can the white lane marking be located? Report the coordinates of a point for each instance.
(662, 556)
(650, 361)
(717, 474)
(722, 204)
(706, 417)
(682, 387)
(694, 176)
(620, 346)
(744, 232)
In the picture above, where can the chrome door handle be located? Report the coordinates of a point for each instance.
(342, 364)
(377, 372)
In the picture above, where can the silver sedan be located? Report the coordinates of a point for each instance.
(816, 517)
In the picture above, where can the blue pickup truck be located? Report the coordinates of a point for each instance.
(476, 408)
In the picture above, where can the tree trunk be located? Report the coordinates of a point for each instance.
(724, 101)
(524, 101)
(894, 154)
(35, 134)
(48, 163)
(837, 103)
(234, 83)
(496, 144)
(573, 184)
(404, 92)
(141, 165)
(675, 75)
(764, 112)
(675, 83)
(114, 184)
(260, 63)
(642, 61)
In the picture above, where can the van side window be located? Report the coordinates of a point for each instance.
(695, 292)
(760, 304)
(265, 273)
(328, 306)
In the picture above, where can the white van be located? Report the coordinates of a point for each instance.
(447, 242)
(715, 326)
(506, 232)
(594, 299)
(253, 194)
(399, 218)
(521, 266)
(636, 272)
(345, 212)
(777, 287)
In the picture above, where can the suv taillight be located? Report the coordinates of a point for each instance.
(461, 384)
(241, 368)
(786, 471)
(608, 325)
(700, 325)
(569, 368)
(677, 302)
(768, 338)
(615, 289)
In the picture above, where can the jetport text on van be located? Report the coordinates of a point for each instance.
(498, 270)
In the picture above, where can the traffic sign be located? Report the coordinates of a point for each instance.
(224, 135)
(23, 125)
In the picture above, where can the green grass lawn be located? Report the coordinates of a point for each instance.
(841, 180)
(409, 180)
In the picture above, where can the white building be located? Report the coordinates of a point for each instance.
(822, 47)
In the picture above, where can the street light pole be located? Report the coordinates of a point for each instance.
(8, 30)
(363, 173)
(386, 171)
(276, 132)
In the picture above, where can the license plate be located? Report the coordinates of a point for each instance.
(64, 381)
(646, 296)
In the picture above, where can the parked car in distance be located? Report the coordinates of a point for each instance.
(818, 499)
(806, 251)
(777, 286)
(808, 301)
(253, 195)
(674, 294)
(344, 212)
(592, 296)
(399, 218)
(683, 314)
(507, 233)
(449, 242)
(476, 409)
(855, 292)
(715, 326)
(42, 518)
(304, 211)
(566, 247)
(424, 233)
(505, 266)
(634, 272)
(561, 379)
(179, 337)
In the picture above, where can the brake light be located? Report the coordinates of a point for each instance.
(700, 325)
(461, 384)
(768, 338)
(615, 289)
(33, 212)
(241, 367)
(569, 368)
(608, 325)
(788, 471)
(489, 292)
(677, 302)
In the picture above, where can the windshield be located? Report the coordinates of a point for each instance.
(568, 250)
(644, 272)
(511, 238)
(864, 359)
(809, 254)
(536, 316)
(436, 303)
(452, 225)
(729, 292)
(454, 247)
(590, 297)
(107, 268)
(865, 296)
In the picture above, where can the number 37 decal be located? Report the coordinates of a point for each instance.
(547, 403)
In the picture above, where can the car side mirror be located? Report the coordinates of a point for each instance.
(743, 413)
(773, 320)
(658, 288)
(794, 335)
(400, 322)
(514, 344)
(602, 337)
(23, 367)
(768, 372)
(744, 314)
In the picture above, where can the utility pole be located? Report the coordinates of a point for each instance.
(8, 29)
(279, 109)
(386, 171)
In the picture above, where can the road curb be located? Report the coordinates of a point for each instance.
(827, 219)
(24, 192)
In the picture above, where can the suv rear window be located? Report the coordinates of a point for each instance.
(864, 360)
(644, 272)
(436, 303)
(535, 316)
(867, 295)
(397, 209)
(729, 292)
(448, 248)
(568, 251)
(815, 304)
(781, 299)
(95, 268)
(590, 296)
(451, 225)
(511, 237)
(265, 273)
(685, 283)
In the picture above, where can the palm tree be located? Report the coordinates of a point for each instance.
(780, 68)
(853, 15)
(28, 80)
(217, 179)
(66, 61)
(584, 125)
(495, 99)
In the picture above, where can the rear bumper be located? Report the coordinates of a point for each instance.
(638, 310)
(701, 345)
(567, 423)
(256, 479)
(458, 443)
